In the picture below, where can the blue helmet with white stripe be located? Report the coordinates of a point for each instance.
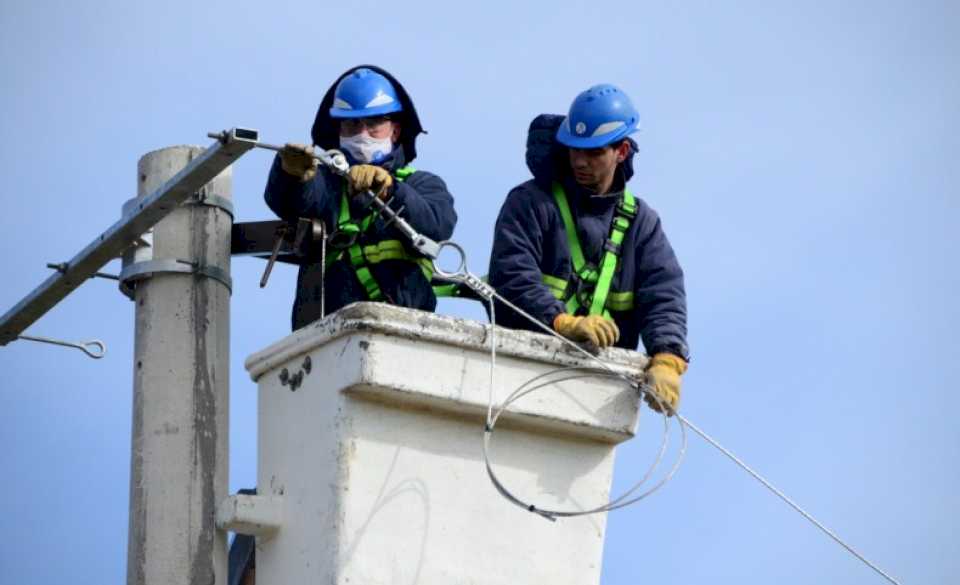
(598, 116)
(326, 131)
(364, 93)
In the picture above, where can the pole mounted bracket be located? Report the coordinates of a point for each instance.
(259, 516)
(110, 244)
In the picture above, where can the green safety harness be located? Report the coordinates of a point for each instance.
(361, 258)
(588, 288)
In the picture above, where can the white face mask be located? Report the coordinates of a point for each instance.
(365, 149)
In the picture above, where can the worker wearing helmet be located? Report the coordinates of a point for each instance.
(367, 115)
(574, 248)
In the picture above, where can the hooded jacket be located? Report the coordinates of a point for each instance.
(530, 241)
(425, 201)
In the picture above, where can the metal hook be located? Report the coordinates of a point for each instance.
(93, 347)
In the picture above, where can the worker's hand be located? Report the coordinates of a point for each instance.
(594, 328)
(370, 178)
(297, 160)
(663, 377)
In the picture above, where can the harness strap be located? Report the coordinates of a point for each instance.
(588, 286)
(362, 257)
(611, 256)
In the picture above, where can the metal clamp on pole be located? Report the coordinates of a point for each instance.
(202, 197)
(146, 269)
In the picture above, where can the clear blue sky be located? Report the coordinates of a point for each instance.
(803, 156)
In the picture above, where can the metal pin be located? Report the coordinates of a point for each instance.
(93, 347)
(62, 268)
(277, 242)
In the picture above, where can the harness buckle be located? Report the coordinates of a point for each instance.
(628, 212)
(580, 289)
(611, 246)
(345, 236)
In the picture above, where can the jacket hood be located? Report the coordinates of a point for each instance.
(547, 158)
(325, 132)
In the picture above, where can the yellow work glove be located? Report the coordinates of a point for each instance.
(297, 160)
(370, 178)
(594, 328)
(663, 377)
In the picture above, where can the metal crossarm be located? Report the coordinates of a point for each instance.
(118, 237)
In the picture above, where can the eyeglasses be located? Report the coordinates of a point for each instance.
(351, 126)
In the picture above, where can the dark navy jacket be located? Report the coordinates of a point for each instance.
(529, 241)
(426, 203)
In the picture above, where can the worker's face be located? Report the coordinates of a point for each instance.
(594, 168)
(378, 127)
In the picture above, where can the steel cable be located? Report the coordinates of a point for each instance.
(488, 293)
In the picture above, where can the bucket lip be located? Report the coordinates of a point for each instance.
(416, 325)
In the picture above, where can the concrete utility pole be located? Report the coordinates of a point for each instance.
(181, 287)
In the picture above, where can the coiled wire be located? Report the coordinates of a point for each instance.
(556, 376)
(488, 293)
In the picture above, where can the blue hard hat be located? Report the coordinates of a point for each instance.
(364, 93)
(598, 116)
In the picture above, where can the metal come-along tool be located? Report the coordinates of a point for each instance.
(336, 161)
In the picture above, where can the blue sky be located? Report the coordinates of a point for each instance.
(803, 157)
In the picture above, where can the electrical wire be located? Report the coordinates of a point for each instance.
(550, 378)
(605, 370)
